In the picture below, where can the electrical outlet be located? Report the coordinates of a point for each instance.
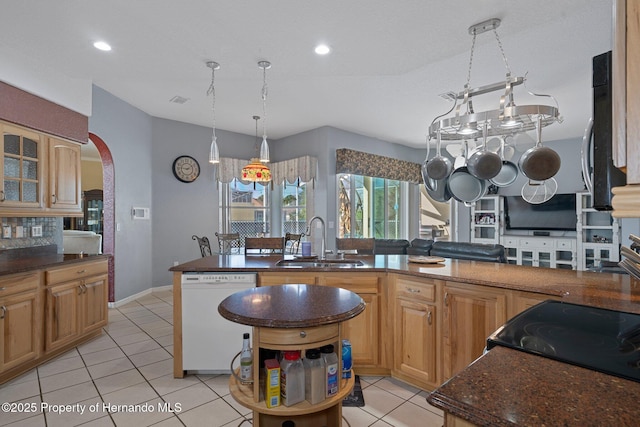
(36, 231)
(6, 231)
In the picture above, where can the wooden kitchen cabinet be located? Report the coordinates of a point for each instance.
(362, 331)
(22, 169)
(76, 302)
(416, 331)
(269, 279)
(626, 106)
(470, 314)
(20, 325)
(64, 176)
(519, 301)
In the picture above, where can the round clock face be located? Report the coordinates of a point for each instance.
(186, 168)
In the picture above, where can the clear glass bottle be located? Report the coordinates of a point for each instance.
(246, 361)
(332, 377)
(291, 379)
(314, 374)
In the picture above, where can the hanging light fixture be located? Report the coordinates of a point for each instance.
(214, 154)
(256, 171)
(507, 119)
(264, 147)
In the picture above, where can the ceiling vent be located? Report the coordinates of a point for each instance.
(178, 99)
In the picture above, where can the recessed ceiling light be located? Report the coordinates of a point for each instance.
(322, 49)
(102, 46)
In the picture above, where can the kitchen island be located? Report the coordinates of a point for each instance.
(425, 323)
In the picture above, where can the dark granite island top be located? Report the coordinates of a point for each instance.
(291, 306)
(506, 387)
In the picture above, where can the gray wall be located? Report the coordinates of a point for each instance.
(143, 149)
(127, 132)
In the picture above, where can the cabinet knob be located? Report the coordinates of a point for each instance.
(303, 334)
(3, 309)
(2, 198)
(429, 317)
(413, 291)
(54, 199)
(446, 298)
(81, 271)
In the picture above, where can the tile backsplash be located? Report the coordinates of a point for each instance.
(17, 232)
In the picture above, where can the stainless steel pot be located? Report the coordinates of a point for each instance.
(484, 164)
(539, 163)
(508, 172)
(465, 187)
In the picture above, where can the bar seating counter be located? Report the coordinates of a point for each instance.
(292, 317)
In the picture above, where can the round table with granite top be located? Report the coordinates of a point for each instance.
(292, 317)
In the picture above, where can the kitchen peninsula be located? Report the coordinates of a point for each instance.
(425, 323)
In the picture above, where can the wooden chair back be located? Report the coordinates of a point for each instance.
(363, 246)
(228, 242)
(292, 242)
(203, 243)
(261, 245)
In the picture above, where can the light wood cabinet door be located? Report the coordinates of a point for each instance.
(64, 176)
(416, 346)
(62, 325)
(19, 329)
(471, 314)
(93, 301)
(363, 331)
(520, 301)
(21, 169)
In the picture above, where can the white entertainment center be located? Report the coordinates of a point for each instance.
(596, 238)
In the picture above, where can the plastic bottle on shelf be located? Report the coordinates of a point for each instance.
(246, 361)
(291, 379)
(314, 376)
(332, 377)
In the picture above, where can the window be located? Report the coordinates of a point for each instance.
(294, 207)
(245, 209)
(371, 207)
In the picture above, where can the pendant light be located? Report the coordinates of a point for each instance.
(264, 147)
(256, 171)
(214, 154)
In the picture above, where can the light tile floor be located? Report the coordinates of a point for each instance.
(125, 378)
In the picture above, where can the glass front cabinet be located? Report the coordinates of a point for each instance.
(22, 154)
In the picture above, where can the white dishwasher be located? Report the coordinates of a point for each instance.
(209, 341)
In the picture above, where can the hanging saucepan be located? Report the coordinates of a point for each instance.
(508, 172)
(440, 166)
(539, 163)
(484, 164)
(465, 187)
(436, 188)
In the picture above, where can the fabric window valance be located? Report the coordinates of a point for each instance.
(366, 164)
(304, 168)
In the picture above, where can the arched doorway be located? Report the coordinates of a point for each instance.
(108, 178)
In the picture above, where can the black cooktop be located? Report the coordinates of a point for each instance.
(604, 340)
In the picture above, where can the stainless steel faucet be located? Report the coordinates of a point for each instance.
(323, 245)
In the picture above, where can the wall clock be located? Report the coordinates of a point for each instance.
(186, 168)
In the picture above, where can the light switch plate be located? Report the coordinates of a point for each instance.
(6, 231)
(36, 231)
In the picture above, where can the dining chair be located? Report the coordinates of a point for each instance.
(363, 245)
(203, 243)
(228, 242)
(292, 242)
(261, 245)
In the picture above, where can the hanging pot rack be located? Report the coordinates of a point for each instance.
(507, 119)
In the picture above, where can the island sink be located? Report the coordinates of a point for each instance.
(325, 263)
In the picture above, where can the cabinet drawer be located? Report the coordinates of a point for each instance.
(415, 290)
(536, 243)
(510, 242)
(296, 337)
(15, 283)
(75, 271)
(565, 244)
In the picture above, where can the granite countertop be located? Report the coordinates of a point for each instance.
(15, 261)
(291, 306)
(507, 387)
(607, 290)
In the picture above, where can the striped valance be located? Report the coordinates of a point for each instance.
(366, 164)
(302, 168)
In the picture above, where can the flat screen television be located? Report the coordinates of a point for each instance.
(559, 213)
